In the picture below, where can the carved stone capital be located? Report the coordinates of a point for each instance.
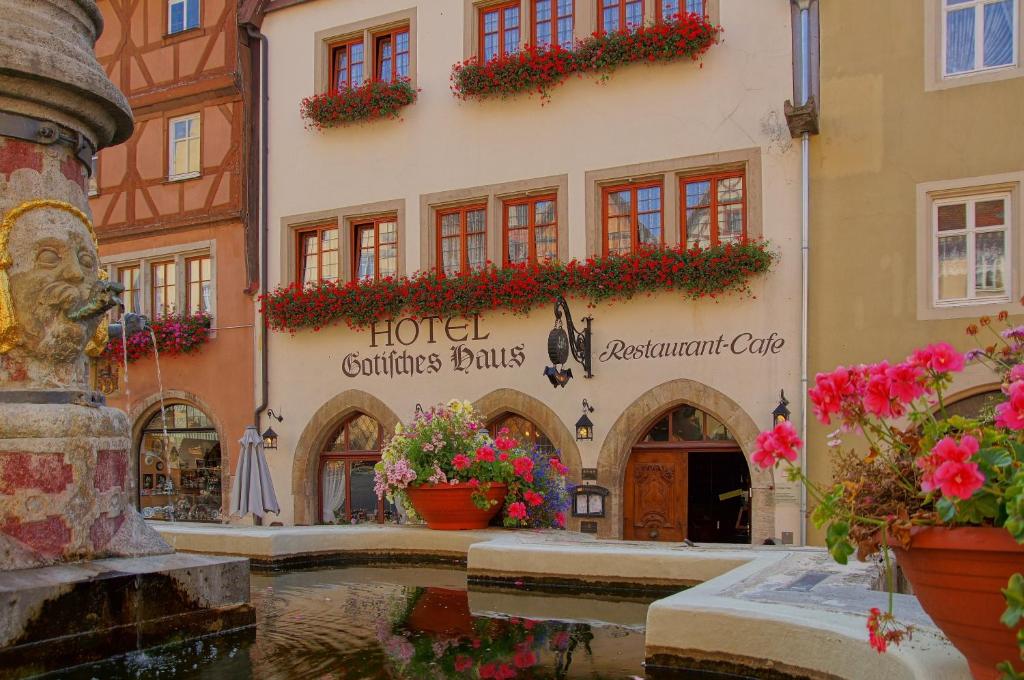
(803, 118)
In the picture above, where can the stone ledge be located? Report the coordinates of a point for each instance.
(65, 615)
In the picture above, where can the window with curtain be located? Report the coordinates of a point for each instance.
(198, 289)
(671, 9)
(553, 23)
(979, 35)
(499, 30)
(970, 249)
(531, 230)
(318, 255)
(129, 278)
(163, 283)
(376, 248)
(347, 495)
(616, 15)
(347, 64)
(632, 216)
(714, 209)
(392, 50)
(462, 239)
(523, 430)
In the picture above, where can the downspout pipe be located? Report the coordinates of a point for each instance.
(264, 96)
(805, 223)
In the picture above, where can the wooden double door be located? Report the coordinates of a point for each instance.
(671, 494)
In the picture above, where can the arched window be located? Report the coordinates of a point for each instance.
(523, 430)
(975, 405)
(687, 424)
(346, 474)
(180, 466)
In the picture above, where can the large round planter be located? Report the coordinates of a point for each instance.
(450, 506)
(957, 575)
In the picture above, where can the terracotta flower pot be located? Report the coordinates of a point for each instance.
(957, 575)
(441, 611)
(450, 506)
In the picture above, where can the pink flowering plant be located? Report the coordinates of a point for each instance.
(448, 444)
(174, 333)
(923, 466)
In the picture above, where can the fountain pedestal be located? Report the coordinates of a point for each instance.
(67, 491)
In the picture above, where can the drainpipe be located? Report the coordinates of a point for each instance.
(805, 222)
(264, 97)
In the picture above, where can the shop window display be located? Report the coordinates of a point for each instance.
(180, 466)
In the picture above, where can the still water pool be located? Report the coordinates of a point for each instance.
(362, 622)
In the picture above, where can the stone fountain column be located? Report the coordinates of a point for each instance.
(70, 536)
(66, 492)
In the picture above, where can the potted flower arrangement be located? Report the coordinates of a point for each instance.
(945, 492)
(448, 470)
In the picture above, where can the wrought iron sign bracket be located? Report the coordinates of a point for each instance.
(579, 340)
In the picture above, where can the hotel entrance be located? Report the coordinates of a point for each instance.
(687, 479)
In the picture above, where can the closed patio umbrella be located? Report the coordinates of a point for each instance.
(253, 490)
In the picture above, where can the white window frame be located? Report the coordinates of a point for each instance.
(197, 134)
(184, 12)
(178, 254)
(970, 200)
(979, 37)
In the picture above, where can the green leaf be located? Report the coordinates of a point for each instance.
(1014, 594)
(946, 509)
(837, 540)
(995, 457)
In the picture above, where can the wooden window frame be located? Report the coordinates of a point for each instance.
(971, 231)
(634, 188)
(171, 141)
(500, 9)
(705, 444)
(714, 178)
(530, 228)
(153, 288)
(463, 211)
(346, 45)
(391, 34)
(978, 6)
(348, 456)
(300, 254)
(622, 14)
(185, 26)
(555, 18)
(659, 8)
(127, 294)
(189, 281)
(372, 223)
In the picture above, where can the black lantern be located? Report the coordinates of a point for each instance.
(585, 428)
(565, 341)
(269, 438)
(781, 413)
(588, 500)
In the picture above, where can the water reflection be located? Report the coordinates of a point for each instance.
(341, 624)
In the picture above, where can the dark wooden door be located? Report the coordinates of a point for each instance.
(655, 496)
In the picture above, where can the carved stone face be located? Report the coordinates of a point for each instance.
(53, 271)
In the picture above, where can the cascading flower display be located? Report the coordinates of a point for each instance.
(694, 272)
(923, 467)
(175, 334)
(539, 69)
(447, 444)
(372, 100)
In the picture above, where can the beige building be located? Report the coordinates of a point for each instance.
(680, 388)
(915, 182)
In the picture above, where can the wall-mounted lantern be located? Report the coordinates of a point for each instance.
(269, 436)
(565, 341)
(781, 413)
(588, 500)
(585, 428)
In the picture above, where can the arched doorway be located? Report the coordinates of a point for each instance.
(345, 478)
(524, 430)
(180, 466)
(687, 478)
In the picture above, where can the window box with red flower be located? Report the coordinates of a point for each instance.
(372, 100)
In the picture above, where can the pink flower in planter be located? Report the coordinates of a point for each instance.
(948, 468)
(905, 382)
(463, 663)
(533, 498)
(523, 467)
(485, 454)
(1010, 414)
(778, 444)
(957, 479)
(878, 642)
(560, 519)
(827, 397)
(461, 462)
(505, 443)
(517, 510)
(940, 357)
